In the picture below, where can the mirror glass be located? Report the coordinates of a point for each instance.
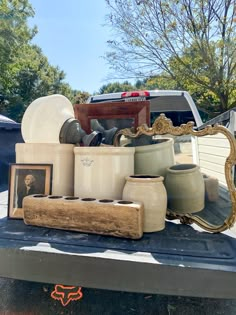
(209, 153)
(210, 149)
(110, 123)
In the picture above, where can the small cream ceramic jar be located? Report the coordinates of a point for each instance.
(151, 191)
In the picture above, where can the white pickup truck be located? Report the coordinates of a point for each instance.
(180, 108)
(176, 105)
(180, 260)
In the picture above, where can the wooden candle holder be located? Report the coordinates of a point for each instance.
(89, 215)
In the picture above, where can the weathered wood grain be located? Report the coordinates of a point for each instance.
(89, 215)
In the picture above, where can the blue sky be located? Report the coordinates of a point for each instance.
(72, 36)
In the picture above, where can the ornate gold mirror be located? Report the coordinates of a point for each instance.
(211, 150)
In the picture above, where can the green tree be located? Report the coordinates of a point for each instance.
(160, 82)
(81, 97)
(25, 73)
(14, 33)
(31, 76)
(116, 87)
(187, 40)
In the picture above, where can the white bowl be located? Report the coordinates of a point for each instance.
(44, 117)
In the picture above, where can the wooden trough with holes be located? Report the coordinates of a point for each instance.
(108, 217)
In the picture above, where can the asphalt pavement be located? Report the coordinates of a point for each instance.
(30, 298)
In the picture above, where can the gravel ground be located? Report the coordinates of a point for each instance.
(29, 298)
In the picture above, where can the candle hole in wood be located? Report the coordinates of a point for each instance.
(40, 196)
(106, 200)
(88, 199)
(55, 197)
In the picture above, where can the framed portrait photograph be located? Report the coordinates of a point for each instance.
(24, 180)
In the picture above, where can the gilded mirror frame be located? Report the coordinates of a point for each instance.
(162, 126)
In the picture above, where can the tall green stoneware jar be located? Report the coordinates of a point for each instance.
(185, 188)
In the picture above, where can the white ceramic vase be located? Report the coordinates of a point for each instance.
(151, 191)
(185, 188)
(155, 158)
(100, 171)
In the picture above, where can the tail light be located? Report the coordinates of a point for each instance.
(135, 94)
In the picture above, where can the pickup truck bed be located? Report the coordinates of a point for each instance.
(176, 261)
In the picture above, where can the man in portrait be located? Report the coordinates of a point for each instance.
(27, 181)
(28, 188)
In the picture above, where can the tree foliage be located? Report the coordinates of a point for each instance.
(81, 97)
(14, 31)
(25, 73)
(116, 87)
(190, 41)
(31, 76)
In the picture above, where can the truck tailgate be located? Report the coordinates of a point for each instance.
(177, 261)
